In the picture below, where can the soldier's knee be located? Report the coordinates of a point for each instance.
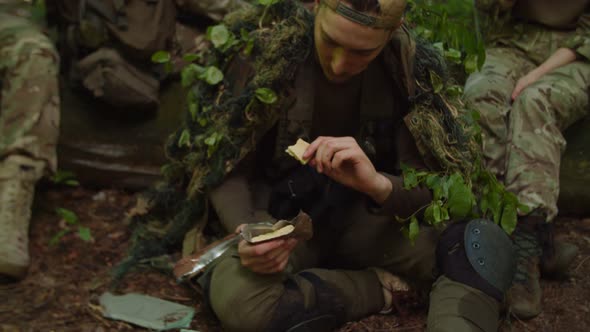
(476, 86)
(34, 47)
(240, 302)
(478, 254)
(238, 316)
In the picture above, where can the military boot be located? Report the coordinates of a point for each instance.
(536, 251)
(558, 255)
(524, 297)
(18, 176)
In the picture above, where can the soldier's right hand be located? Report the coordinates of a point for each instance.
(267, 257)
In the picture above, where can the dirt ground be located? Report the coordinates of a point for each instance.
(65, 280)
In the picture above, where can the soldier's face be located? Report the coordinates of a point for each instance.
(345, 48)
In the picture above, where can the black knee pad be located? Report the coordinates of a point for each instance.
(477, 253)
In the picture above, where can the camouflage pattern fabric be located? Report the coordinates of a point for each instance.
(214, 9)
(522, 139)
(29, 99)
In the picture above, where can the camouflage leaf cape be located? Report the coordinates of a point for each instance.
(221, 127)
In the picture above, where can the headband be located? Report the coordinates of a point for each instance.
(381, 22)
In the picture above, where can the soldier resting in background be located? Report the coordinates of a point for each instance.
(29, 121)
(533, 85)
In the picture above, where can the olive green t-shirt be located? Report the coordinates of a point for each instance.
(336, 106)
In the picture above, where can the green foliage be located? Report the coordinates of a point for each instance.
(38, 12)
(455, 199)
(71, 224)
(453, 27)
(64, 178)
(192, 57)
(212, 75)
(161, 57)
(185, 139)
(219, 35)
(192, 72)
(212, 143)
(68, 216)
(266, 95)
(222, 38)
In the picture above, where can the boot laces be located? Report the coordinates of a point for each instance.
(527, 247)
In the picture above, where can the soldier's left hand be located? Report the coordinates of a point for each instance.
(525, 82)
(343, 160)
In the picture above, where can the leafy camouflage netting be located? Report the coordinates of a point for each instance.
(222, 125)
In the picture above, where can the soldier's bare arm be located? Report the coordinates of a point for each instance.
(561, 57)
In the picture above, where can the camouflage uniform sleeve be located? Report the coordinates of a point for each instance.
(580, 41)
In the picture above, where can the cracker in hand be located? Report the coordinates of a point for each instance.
(296, 151)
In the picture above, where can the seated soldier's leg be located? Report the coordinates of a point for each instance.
(488, 92)
(457, 300)
(311, 300)
(29, 117)
(476, 262)
(367, 239)
(456, 307)
(540, 114)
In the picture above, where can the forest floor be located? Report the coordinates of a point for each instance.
(66, 279)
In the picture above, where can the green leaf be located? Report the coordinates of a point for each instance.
(509, 218)
(445, 213)
(161, 57)
(84, 234)
(185, 139)
(211, 140)
(453, 55)
(190, 73)
(244, 34)
(202, 121)
(495, 205)
(440, 47)
(436, 213)
(266, 95)
(471, 63)
(70, 217)
(437, 83)
(460, 200)
(57, 237)
(429, 214)
(72, 183)
(218, 35)
(524, 209)
(193, 108)
(64, 177)
(414, 229)
(432, 181)
(213, 75)
(454, 91)
(190, 57)
(410, 180)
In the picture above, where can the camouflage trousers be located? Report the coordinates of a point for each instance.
(522, 139)
(29, 94)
